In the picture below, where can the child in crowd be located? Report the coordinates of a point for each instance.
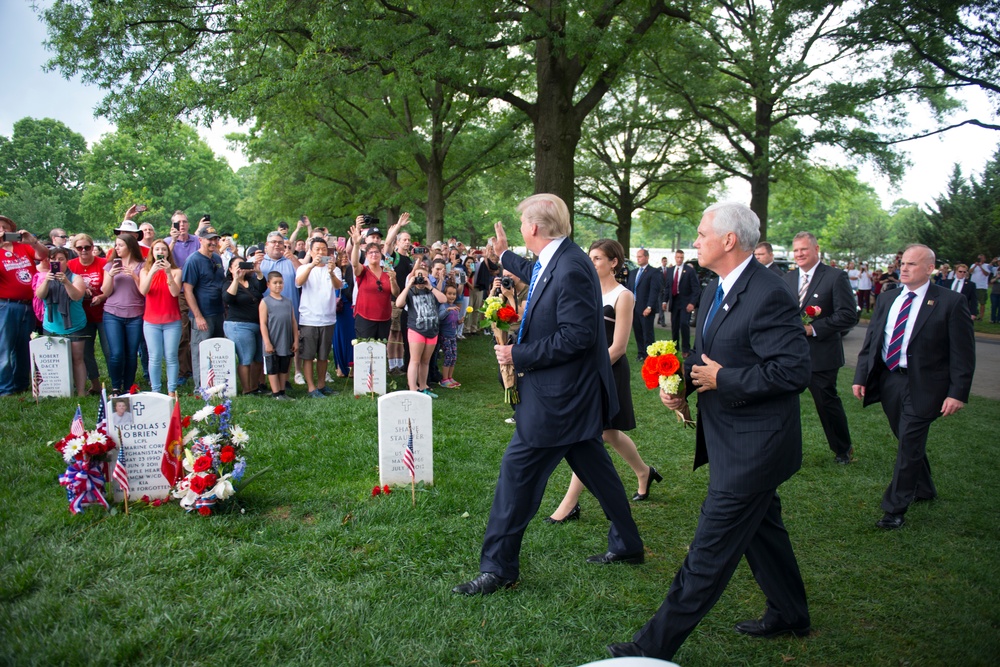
(421, 299)
(450, 314)
(280, 333)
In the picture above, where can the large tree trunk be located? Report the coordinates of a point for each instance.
(760, 170)
(434, 209)
(624, 232)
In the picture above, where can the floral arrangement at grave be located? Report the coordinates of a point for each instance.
(86, 454)
(214, 460)
(662, 370)
(501, 316)
(810, 313)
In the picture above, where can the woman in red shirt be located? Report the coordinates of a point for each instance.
(160, 283)
(90, 267)
(376, 290)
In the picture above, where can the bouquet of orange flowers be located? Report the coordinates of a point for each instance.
(662, 370)
(500, 315)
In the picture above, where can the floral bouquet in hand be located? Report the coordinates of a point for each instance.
(85, 454)
(662, 370)
(213, 460)
(500, 315)
(810, 313)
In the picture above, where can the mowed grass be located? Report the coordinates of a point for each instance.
(310, 569)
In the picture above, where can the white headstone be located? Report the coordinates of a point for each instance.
(143, 420)
(51, 357)
(403, 415)
(219, 355)
(369, 368)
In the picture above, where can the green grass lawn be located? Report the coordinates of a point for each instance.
(311, 569)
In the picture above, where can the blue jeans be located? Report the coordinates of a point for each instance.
(124, 334)
(247, 339)
(16, 322)
(163, 342)
(92, 330)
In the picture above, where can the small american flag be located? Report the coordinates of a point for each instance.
(102, 413)
(371, 373)
(120, 473)
(36, 379)
(210, 382)
(408, 452)
(76, 428)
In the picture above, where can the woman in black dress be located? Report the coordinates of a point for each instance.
(608, 256)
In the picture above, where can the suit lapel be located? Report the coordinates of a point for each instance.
(926, 309)
(541, 283)
(728, 303)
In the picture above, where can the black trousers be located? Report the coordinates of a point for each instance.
(823, 387)
(642, 327)
(911, 478)
(730, 526)
(680, 327)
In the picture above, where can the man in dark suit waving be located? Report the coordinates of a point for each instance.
(567, 396)
(645, 283)
(917, 360)
(751, 362)
(814, 283)
(681, 291)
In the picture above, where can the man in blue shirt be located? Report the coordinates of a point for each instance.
(203, 283)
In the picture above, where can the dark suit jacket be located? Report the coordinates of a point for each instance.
(688, 289)
(830, 289)
(749, 429)
(777, 269)
(564, 372)
(969, 292)
(647, 293)
(940, 356)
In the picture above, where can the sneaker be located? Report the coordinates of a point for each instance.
(329, 378)
(261, 390)
(455, 383)
(316, 393)
(510, 420)
(328, 392)
(282, 397)
(429, 393)
(445, 383)
(299, 379)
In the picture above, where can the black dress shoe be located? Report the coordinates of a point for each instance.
(653, 477)
(574, 515)
(485, 584)
(760, 627)
(844, 459)
(891, 521)
(611, 557)
(625, 650)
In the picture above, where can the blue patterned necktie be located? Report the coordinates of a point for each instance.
(719, 294)
(896, 343)
(527, 302)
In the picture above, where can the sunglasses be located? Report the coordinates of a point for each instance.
(378, 286)
(84, 248)
(61, 236)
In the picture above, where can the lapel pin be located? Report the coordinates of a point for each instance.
(725, 307)
(930, 302)
(815, 296)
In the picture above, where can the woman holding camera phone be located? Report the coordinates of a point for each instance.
(242, 324)
(123, 310)
(160, 283)
(376, 289)
(62, 292)
(421, 299)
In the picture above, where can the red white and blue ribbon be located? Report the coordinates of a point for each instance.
(84, 484)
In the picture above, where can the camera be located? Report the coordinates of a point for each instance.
(56, 267)
(246, 266)
(161, 258)
(139, 208)
(117, 261)
(506, 282)
(419, 280)
(11, 237)
(422, 250)
(177, 226)
(323, 261)
(370, 220)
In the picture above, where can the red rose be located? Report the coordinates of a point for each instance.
(813, 311)
(204, 510)
(202, 463)
(198, 484)
(376, 491)
(134, 389)
(650, 374)
(227, 454)
(145, 499)
(220, 408)
(210, 480)
(186, 421)
(667, 364)
(507, 314)
(157, 502)
(386, 490)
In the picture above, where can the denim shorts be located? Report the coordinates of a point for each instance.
(247, 339)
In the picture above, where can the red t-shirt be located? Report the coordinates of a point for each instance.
(17, 266)
(372, 304)
(93, 275)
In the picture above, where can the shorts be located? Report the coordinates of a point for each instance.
(449, 345)
(247, 340)
(981, 296)
(414, 337)
(315, 342)
(371, 329)
(277, 364)
(75, 337)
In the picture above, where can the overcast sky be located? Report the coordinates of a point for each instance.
(29, 91)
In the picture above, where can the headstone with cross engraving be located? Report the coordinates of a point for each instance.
(217, 356)
(51, 365)
(142, 420)
(369, 368)
(405, 417)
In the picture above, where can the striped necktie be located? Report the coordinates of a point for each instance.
(803, 289)
(896, 343)
(527, 302)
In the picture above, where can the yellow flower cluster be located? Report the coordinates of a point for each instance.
(670, 384)
(492, 305)
(661, 347)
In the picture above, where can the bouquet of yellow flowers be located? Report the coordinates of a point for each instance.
(500, 315)
(662, 369)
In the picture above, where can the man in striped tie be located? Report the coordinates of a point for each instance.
(917, 360)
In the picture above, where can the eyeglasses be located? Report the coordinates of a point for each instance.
(378, 285)
(84, 248)
(61, 236)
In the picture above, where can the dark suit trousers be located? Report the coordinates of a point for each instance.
(642, 327)
(730, 526)
(823, 387)
(911, 478)
(680, 323)
(524, 472)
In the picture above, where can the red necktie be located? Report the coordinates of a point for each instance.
(677, 277)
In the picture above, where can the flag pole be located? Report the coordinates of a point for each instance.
(35, 389)
(121, 445)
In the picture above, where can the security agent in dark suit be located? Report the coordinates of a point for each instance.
(830, 289)
(751, 362)
(764, 253)
(645, 283)
(917, 360)
(961, 284)
(567, 397)
(680, 293)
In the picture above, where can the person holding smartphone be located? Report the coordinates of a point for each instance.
(317, 277)
(62, 293)
(123, 310)
(160, 283)
(242, 324)
(18, 253)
